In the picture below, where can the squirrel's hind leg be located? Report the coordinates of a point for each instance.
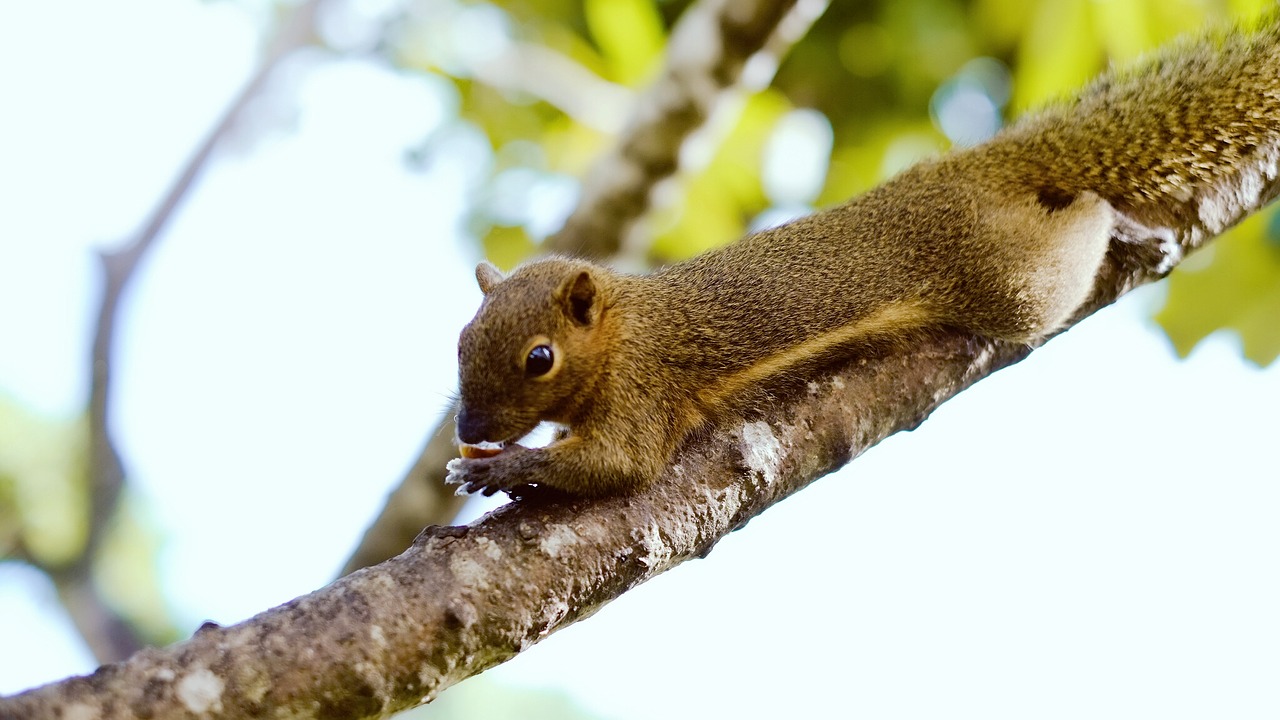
(1044, 261)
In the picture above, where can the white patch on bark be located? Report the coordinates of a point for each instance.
(979, 365)
(553, 612)
(984, 355)
(377, 636)
(80, 711)
(657, 553)
(469, 572)
(557, 538)
(490, 548)
(725, 503)
(761, 450)
(201, 691)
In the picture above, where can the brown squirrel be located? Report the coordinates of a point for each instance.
(1002, 240)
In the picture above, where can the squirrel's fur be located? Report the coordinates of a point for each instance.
(1002, 240)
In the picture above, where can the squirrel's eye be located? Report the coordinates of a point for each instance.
(539, 361)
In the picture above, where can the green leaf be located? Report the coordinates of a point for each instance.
(1124, 29)
(629, 34)
(127, 574)
(1250, 8)
(1238, 290)
(887, 148)
(42, 472)
(716, 202)
(505, 246)
(1059, 53)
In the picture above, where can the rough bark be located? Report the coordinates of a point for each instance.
(709, 48)
(461, 600)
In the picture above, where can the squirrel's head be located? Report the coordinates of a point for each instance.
(530, 350)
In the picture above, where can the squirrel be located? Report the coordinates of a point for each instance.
(1002, 240)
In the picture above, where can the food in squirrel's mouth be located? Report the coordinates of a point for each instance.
(480, 450)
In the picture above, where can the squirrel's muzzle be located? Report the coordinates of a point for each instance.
(472, 428)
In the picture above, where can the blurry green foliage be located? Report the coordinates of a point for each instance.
(506, 245)
(44, 510)
(1236, 287)
(43, 496)
(710, 206)
(871, 68)
(127, 574)
(630, 36)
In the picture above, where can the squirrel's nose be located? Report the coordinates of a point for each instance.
(471, 427)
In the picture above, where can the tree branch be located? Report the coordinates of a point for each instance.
(616, 194)
(464, 599)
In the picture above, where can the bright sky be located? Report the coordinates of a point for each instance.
(1090, 533)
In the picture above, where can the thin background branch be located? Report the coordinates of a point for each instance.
(108, 634)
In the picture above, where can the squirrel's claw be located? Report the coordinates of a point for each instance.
(470, 487)
(463, 473)
(528, 491)
(471, 476)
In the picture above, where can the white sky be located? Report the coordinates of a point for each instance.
(1090, 533)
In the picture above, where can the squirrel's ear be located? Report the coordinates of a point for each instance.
(582, 298)
(487, 276)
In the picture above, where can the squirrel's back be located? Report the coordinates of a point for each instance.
(1170, 127)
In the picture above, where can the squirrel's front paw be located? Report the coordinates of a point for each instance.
(503, 472)
(486, 475)
(471, 475)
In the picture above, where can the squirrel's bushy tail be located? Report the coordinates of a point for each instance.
(1183, 125)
